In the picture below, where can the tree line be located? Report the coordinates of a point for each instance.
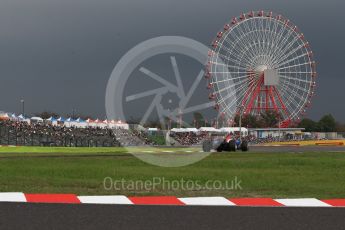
(326, 124)
(266, 119)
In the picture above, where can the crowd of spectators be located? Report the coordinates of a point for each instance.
(269, 139)
(23, 133)
(192, 138)
(188, 138)
(132, 137)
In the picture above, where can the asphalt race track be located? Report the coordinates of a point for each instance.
(67, 216)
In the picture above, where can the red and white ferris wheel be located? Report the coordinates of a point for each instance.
(261, 62)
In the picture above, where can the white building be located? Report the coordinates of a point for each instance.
(293, 133)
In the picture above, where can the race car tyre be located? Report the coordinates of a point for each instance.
(244, 146)
(221, 147)
(207, 146)
(232, 146)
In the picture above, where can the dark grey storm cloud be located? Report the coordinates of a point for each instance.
(59, 54)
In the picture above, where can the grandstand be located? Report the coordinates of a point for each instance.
(35, 131)
(43, 134)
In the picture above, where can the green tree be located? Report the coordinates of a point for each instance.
(340, 127)
(154, 123)
(199, 119)
(327, 123)
(270, 118)
(250, 121)
(309, 125)
(78, 115)
(47, 114)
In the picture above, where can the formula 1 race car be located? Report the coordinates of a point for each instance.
(227, 144)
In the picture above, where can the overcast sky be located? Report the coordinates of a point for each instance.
(59, 54)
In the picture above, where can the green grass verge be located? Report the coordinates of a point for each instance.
(83, 171)
(29, 149)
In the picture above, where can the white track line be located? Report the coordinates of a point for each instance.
(12, 197)
(206, 201)
(104, 200)
(302, 202)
